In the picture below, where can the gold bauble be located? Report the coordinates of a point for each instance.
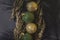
(32, 6)
(31, 28)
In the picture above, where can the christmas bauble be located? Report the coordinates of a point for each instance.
(27, 17)
(32, 6)
(31, 28)
(27, 36)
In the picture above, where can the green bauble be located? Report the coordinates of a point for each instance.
(27, 17)
(27, 36)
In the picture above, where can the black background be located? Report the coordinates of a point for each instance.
(51, 10)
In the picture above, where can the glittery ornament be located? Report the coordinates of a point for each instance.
(31, 28)
(27, 17)
(32, 6)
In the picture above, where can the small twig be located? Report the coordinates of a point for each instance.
(42, 30)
